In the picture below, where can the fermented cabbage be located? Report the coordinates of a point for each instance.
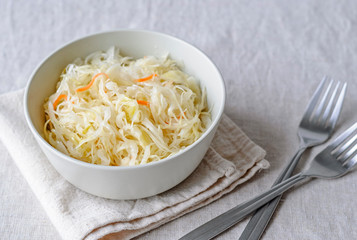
(118, 111)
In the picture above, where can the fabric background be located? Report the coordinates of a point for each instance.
(272, 54)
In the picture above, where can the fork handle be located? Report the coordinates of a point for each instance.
(261, 217)
(231, 217)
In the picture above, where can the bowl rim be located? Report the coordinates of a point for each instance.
(116, 168)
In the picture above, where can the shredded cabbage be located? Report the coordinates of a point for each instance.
(108, 124)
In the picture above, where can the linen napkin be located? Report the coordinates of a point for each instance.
(231, 160)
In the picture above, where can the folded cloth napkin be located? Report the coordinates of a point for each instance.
(231, 160)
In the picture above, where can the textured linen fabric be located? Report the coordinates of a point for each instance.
(272, 55)
(231, 160)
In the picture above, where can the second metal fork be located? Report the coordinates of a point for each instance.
(336, 160)
(315, 128)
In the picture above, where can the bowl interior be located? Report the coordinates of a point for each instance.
(131, 43)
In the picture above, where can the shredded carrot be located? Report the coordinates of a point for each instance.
(178, 117)
(143, 103)
(91, 82)
(60, 97)
(146, 78)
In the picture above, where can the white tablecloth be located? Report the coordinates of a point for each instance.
(272, 54)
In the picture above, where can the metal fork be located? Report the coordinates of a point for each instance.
(315, 128)
(334, 161)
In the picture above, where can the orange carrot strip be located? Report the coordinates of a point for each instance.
(91, 82)
(178, 117)
(143, 103)
(184, 113)
(146, 78)
(60, 97)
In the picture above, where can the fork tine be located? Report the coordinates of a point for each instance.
(330, 103)
(350, 152)
(346, 134)
(349, 164)
(345, 146)
(336, 112)
(320, 106)
(315, 98)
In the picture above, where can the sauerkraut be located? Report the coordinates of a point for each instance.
(118, 111)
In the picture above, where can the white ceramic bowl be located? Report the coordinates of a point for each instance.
(136, 181)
